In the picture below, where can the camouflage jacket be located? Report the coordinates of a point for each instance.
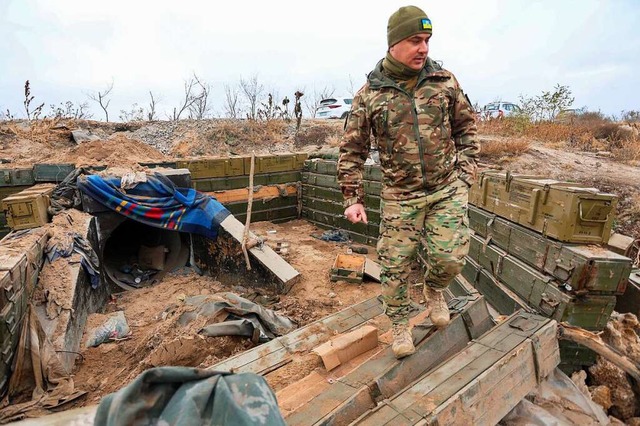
(426, 139)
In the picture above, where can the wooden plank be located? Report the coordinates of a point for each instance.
(480, 384)
(383, 375)
(263, 192)
(302, 339)
(282, 270)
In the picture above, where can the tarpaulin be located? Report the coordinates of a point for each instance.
(232, 315)
(157, 202)
(191, 397)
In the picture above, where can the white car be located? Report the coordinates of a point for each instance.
(499, 110)
(334, 108)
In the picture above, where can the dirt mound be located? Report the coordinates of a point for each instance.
(118, 150)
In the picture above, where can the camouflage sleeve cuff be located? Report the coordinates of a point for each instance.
(351, 201)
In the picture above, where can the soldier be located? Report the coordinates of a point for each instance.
(426, 135)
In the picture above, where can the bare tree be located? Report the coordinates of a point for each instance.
(312, 104)
(188, 99)
(28, 98)
(252, 91)
(231, 107)
(102, 99)
(151, 112)
(352, 87)
(200, 107)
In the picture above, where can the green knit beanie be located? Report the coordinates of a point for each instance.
(405, 22)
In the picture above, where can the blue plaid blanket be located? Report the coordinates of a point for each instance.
(159, 203)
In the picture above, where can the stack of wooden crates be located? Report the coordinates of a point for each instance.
(540, 244)
(536, 244)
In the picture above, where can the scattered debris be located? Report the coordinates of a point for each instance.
(116, 327)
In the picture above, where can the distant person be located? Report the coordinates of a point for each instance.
(426, 132)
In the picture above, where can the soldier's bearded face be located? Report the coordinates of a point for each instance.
(412, 51)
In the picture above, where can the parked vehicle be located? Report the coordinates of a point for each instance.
(499, 110)
(337, 107)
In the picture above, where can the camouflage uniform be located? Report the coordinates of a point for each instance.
(427, 145)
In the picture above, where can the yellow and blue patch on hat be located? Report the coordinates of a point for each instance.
(426, 24)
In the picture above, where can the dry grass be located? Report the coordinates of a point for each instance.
(503, 150)
(588, 132)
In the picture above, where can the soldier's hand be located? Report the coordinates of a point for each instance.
(355, 213)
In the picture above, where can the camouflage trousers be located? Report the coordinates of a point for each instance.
(437, 227)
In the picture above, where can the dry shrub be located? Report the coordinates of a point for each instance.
(41, 131)
(260, 133)
(505, 149)
(318, 135)
(627, 151)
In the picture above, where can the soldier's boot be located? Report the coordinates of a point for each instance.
(402, 341)
(439, 314)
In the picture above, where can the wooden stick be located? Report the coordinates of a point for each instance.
(245, 235)
(595, 343)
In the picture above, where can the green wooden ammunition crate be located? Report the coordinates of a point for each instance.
(237, 182)
(52, 172)
(565, 211)
(162, 165)
(336, 208)
(542, 293)
(591, 312)
(592, 268)
(538, 289)
(276, 215)
(28, 209)
(328, 181)
(348, 267)
(330, 167)
(630, 300)
(355, 236)
(371, 229)
(17, 176)
(274, 163)
(486, 255)
(240, 207)
(214, 167)
(333, 194)
(574, 357)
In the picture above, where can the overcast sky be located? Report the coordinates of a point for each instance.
(497, 49)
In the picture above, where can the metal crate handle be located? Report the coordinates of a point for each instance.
(590, 220)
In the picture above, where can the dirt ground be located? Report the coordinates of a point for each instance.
(156, 338)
